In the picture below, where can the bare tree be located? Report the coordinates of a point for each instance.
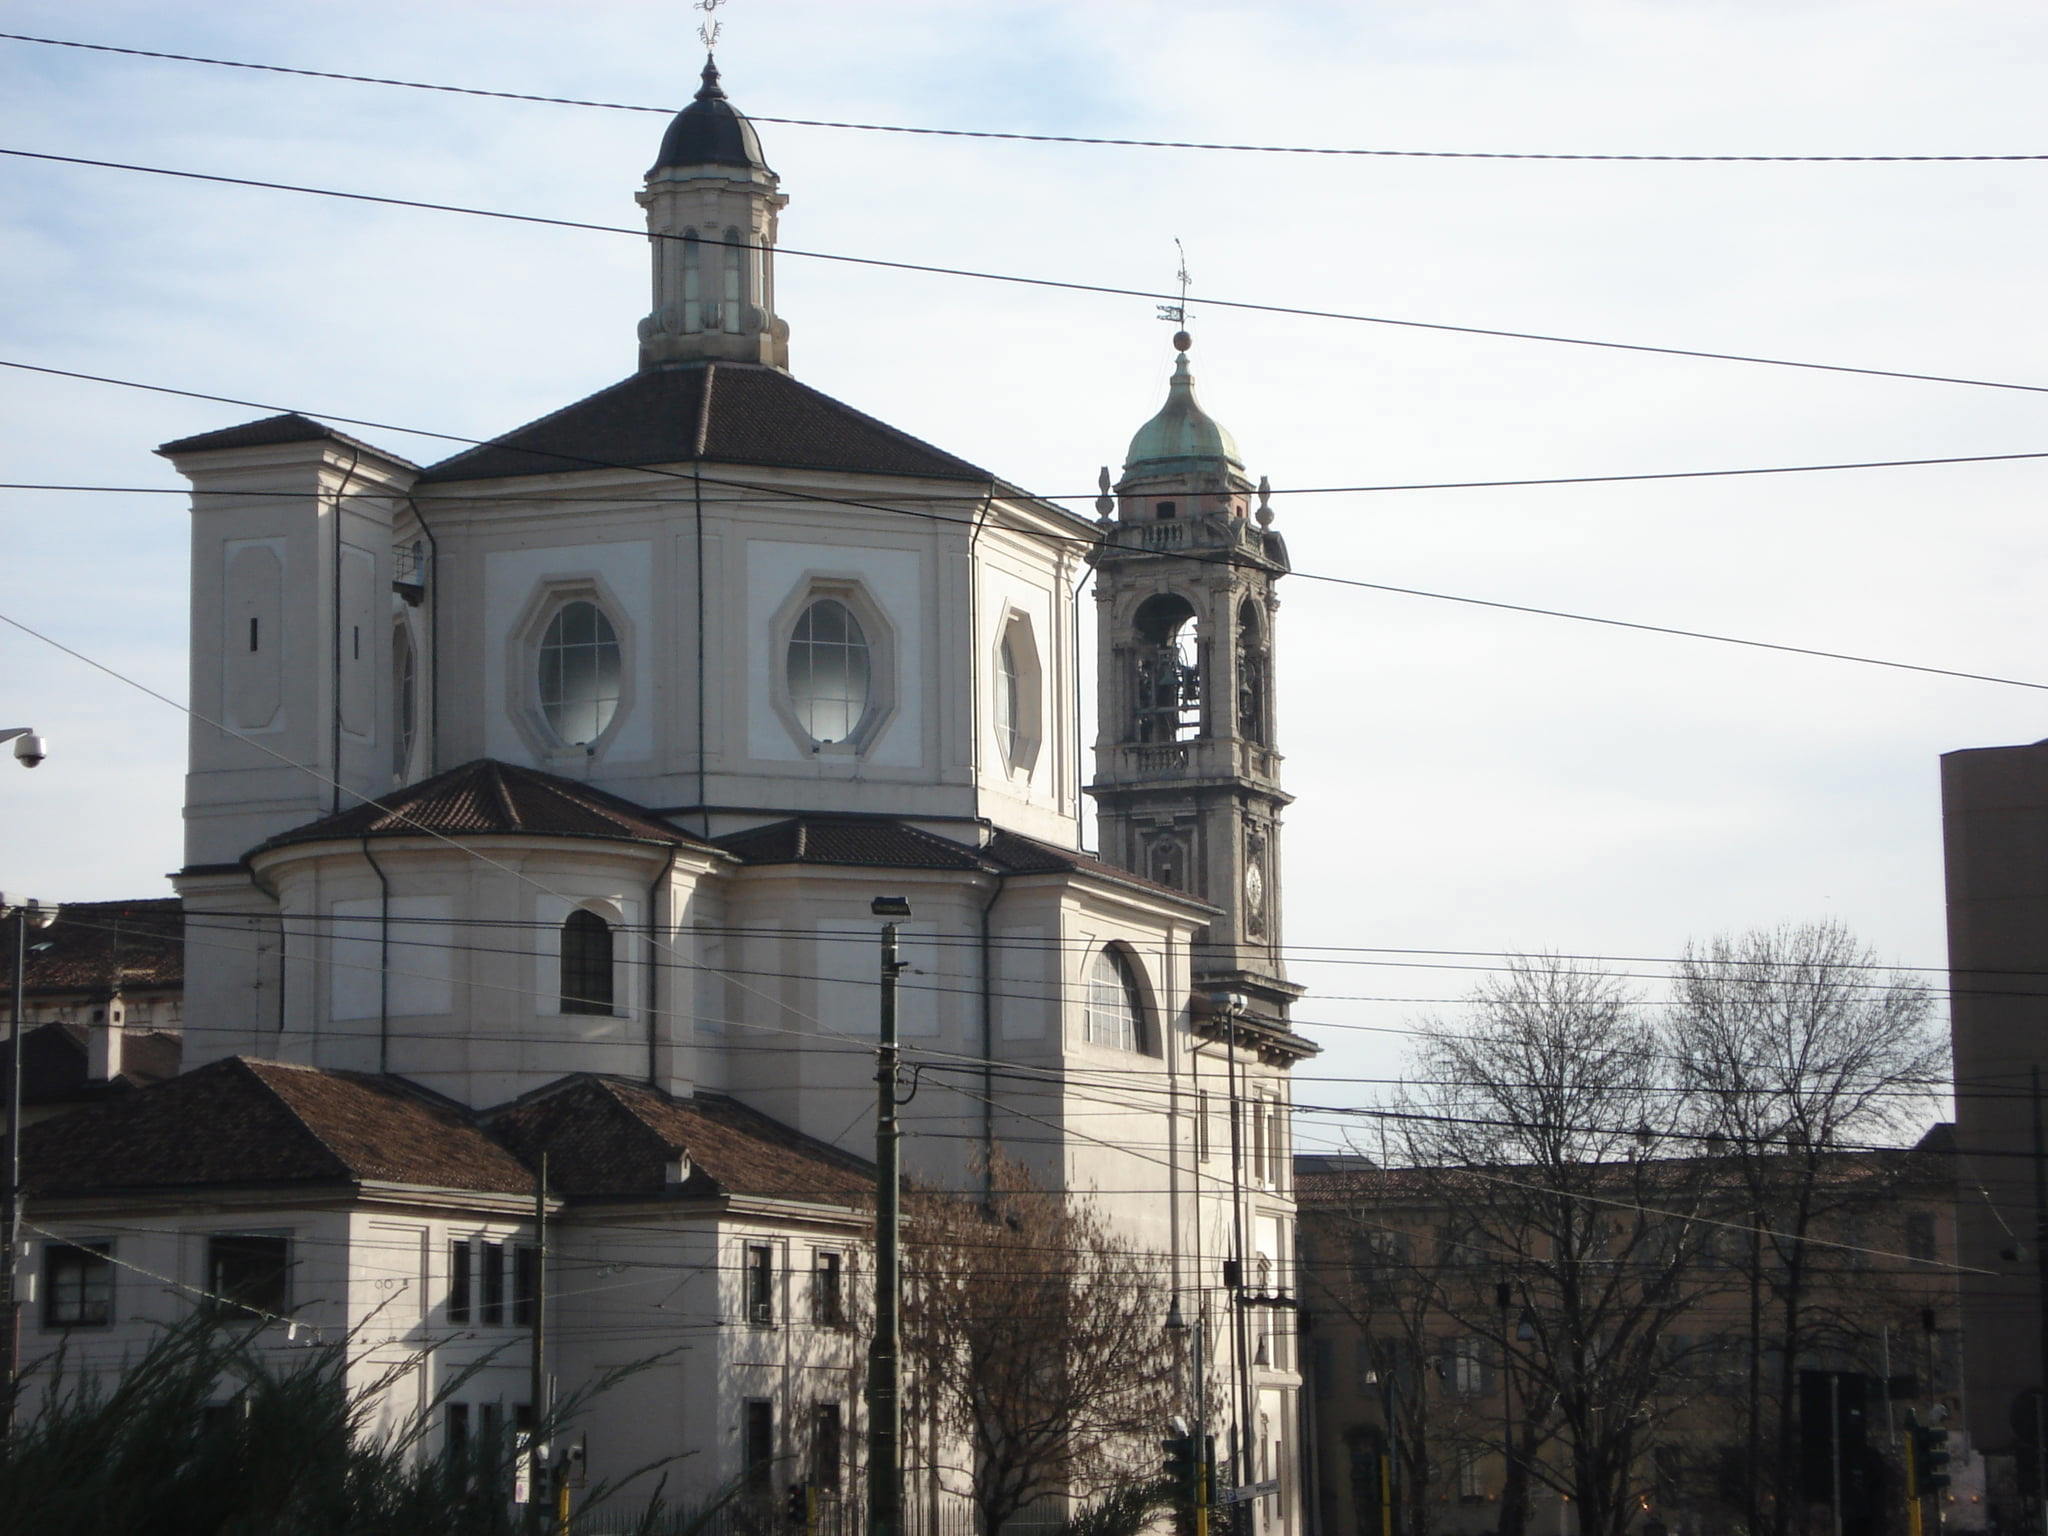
(1797, 1048)
(1036, 1341)
(1535, 1119)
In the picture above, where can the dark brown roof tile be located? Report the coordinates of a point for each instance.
(487, 797)
(755, 415)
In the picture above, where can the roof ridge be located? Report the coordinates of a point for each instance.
(494, 774)
(250, 1064)
(704, 409)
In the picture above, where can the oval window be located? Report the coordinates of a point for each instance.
(829, 671)
(579, 673)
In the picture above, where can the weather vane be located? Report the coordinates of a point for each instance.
(1178, 313)
(710, 27)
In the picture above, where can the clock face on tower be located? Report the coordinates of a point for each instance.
(1254, 898)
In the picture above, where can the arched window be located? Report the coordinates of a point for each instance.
(404, 699)
(830, 671)
(1116, 1009)
(586, 964)
(580, 672)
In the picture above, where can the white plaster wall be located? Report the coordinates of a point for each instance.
(894, 579)
(422, 956)
(511, 579)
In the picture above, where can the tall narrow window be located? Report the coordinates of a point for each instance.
(828, 1290)
(492, 1312)
(828, 1440)
(757, 1453)
(461, 1280)
(525, 1284)
(830, 671)
(580, 673)
(1115, 1012)
(693, 282)
(586, 964)
(761, 1286)
(734, 293)
(404, 702)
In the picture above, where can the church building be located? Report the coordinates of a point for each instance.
(537, 803)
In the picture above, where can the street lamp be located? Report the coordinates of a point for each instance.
(27, 913)
(885, 1401)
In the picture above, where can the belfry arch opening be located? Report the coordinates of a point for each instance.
(1167, 680)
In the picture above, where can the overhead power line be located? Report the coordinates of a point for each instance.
(561, 498)
(1064, 285)
(1031, 138)
(1345, 581)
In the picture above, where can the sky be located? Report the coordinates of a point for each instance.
(1470, 781)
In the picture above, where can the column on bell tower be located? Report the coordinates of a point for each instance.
(711, 204)
(1187, 771)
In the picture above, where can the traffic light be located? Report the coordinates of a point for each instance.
(798, 1509)
(1930, 1462)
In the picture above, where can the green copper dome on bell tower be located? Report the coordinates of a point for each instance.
(1182, 436)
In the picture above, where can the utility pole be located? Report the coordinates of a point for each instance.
(885, 1400)
(2041, 1304)
(537, 1490)
(27, 913)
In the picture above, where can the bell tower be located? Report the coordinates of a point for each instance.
(1187, 772)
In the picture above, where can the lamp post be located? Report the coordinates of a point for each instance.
(27, 913)
(885, 1400)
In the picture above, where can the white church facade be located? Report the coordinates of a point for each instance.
(536, 802)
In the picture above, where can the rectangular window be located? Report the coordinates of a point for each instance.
(761, 1287)
(492, 1312)
(455, 1429)
(1920, 1243)
(525, 1283)
(827, 1447)
(491, 1428)
(78, 1285)
(757, 1454)
(1465, 1367)
(460, 1280)
(828, 1290)
(249, 1272)
(1469, 1485)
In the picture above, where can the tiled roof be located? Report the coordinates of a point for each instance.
(55, 1059)
(606, 1138)
(726, 413)
(489, 797)
(877, 842)
(290, 427)
(239, 1122)
(98, 945)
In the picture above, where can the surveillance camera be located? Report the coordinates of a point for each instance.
(30, 750)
